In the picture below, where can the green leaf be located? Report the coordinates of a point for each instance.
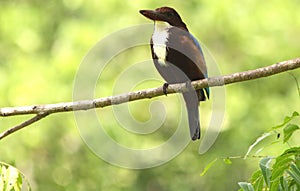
(264, 165)
(280, 167)
(283, 184)
(286, 120)
(2, 173)
(295, 173)
(18, 185)
(292, 151)
(295, 169)
(288, 131)
(246, 186)
(208, 167)
(258, 140)
(257, 180)
(227, 161)
(12, 175)
(11, 179)
(256, 175)
(282, 164)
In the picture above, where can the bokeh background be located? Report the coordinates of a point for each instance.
(43, 42)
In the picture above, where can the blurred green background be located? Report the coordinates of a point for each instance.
(43, 42)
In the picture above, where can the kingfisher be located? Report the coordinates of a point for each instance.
(178, 57)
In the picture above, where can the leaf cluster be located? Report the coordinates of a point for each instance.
(11, 179)
(279, 173)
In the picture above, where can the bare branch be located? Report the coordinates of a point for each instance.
(22, 125)
(153, 92)
(42, 111)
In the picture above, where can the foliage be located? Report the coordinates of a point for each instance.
(276, 173)
(280, 173)
(11, 179)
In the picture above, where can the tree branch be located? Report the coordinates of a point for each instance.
(22, 125)
(42, 111)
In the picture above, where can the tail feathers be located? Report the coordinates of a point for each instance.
(192, 102)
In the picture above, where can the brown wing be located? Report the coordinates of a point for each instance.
(185, 54)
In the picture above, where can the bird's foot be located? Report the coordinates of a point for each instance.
(165, 87)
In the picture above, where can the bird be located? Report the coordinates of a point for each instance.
(178, 57)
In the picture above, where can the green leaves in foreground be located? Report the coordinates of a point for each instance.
(207, 167)
(281, 173)
(288, 131)
(11, 179)
(286, 120)
(285, 128)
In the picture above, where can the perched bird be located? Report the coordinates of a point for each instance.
(178, 57)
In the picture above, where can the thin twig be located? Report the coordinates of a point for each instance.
(36, 118)
(297, 83)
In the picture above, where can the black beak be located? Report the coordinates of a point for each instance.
(153, 15)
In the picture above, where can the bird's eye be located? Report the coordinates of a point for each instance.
(170, 14)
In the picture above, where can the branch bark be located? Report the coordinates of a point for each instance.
(42, 111)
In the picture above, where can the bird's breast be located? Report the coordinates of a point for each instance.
(159, 40)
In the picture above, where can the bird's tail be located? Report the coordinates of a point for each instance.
(192, 102)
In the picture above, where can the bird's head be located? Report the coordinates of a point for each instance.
(165, 14)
